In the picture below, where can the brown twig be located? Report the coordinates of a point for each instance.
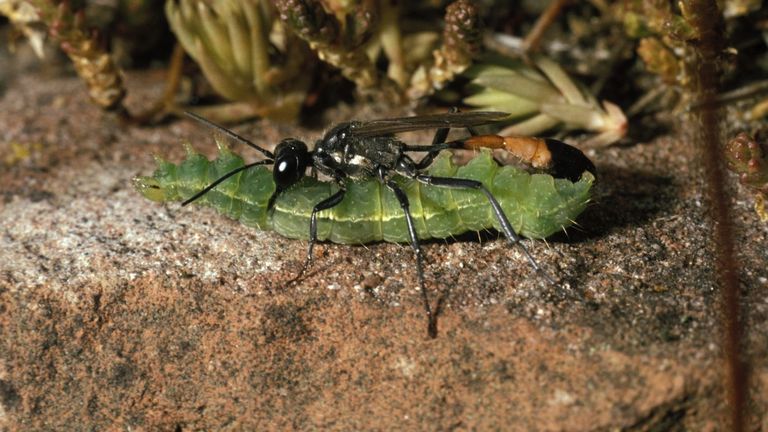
(709, 22)
(532, 40)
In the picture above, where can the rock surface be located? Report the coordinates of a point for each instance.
(122, 314)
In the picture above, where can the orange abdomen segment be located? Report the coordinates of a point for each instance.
(532, 151)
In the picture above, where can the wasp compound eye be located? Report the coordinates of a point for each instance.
(291, 161)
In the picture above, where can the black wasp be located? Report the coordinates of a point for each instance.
(363, 150)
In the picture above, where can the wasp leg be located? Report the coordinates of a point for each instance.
(439, 144)
(442, 133)
(506, 227)
(325, 204)
(405, 205)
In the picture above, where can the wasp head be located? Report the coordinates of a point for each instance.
(291, 161)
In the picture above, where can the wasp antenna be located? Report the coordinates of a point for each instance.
(221, 179)
(229, 133)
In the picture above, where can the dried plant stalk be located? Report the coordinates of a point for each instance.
(92, 63)
(341, 45)
(462, 42)
(23, 15)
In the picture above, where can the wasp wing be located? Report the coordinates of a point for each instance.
(433, 121)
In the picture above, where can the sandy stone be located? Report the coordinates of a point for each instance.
(117, 313)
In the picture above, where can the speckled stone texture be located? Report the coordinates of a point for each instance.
(117, 313)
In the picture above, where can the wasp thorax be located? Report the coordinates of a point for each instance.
(291, 161)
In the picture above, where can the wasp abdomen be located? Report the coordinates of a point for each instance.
(549, 155)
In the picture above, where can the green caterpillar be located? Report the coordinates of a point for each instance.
(537, 205)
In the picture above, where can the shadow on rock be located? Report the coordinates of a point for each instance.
(623, 198)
